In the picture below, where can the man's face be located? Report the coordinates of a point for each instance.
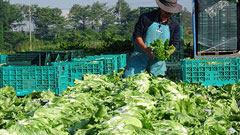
(165, 14)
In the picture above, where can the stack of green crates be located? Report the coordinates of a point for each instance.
(111, 63)
(121, 59)
(3, 58)
(216, 72)
(173, 63)
(24, 59)
(42, 58)
(26, 79)
(174, 72)
(77, 69)
(179, 53)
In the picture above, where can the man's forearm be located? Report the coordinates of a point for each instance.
(143, 46)
(141, 43)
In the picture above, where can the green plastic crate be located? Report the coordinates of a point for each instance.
(23, 92)
(177, 55)
(121, 59)
(174, 71)
(216, 72)
(23, 59)
(3, 59)
(181, 32)
(71, 53)
(43, 58)
(26, 79)
(76, 70)
(110, 64)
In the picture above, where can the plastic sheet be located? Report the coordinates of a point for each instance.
(217, 25)
(213, 10)
(203, 4)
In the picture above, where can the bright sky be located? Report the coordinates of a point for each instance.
(67, 4)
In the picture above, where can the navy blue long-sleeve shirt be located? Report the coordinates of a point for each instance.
(146, 20)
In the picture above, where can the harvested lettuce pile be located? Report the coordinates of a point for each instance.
(109, 105)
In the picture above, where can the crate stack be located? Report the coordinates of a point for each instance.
(77, 69)
(111, 63)
(173, 63)
(216, 28)
(215, 44)
(3, 59)
(42, 58)
(97, 64)
(54, 70)
(26, 79)
(217, 72)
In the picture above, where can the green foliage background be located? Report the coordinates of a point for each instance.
(95, 28)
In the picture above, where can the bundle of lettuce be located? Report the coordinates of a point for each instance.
(161, 50)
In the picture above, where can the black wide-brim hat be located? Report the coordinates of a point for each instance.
(170, 6)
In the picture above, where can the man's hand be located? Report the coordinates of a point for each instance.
(148, 51)
(170, 53)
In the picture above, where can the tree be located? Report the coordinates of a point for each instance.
(186, 22)
(108, 19)
(4, 13)
(124, 31)
(14, 38)
(186, 18)
(1, 34)
(98, 11)
(49, 22)
(26, 9)
(121, 10)
(10, 15)
(80, 16)
(98, 16)
(131, 20)
(15, 16)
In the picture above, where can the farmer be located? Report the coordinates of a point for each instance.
(158, 24)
